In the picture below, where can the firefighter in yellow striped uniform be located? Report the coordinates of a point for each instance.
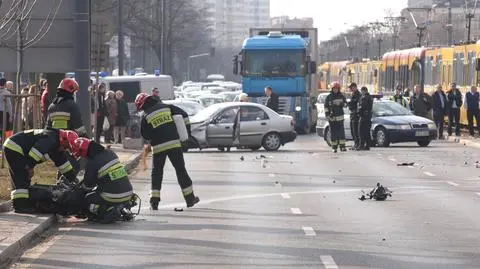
(334, 104)
(24, 150)
(159, 127)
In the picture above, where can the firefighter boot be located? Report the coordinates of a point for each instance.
(23, 206)
(191, 199)
(154, 201)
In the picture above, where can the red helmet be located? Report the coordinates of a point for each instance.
(336, 84)
(140, 100)
(66, 138)
(79, 147)
(69, 85)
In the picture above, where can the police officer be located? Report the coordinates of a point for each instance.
(354, 118)
(365, 112)
(107, 175)
(334, 104)
(158, 126)
(24, 150)
(398, 97)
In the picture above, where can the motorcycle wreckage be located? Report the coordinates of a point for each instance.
(67, 199)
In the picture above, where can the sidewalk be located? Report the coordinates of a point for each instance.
(18, 230)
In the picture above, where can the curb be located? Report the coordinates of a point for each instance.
(465, 142)
(15, 249)
(5, 206)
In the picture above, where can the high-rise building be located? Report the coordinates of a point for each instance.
(231, 19)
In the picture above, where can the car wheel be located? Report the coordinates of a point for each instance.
(327, 136)
(381, 137)
(271, 142)
(423, 143)
(255, 148)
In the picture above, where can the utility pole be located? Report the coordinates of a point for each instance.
(366, 49)
(470, 14)
(121, 49)
(163, 64)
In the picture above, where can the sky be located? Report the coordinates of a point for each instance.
(331, 17)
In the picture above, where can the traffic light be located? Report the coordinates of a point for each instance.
(212, 51)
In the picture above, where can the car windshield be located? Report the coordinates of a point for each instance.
(274, 63)
(204, 114)
(385, 109)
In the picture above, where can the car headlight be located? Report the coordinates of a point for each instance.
(432, 126)
(298, 108)
(399, 127)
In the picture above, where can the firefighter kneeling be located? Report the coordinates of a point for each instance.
(24, 150)
(105, 183)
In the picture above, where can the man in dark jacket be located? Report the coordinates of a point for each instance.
(101, 112)
(365, 106)
(272, 99)
(472, 107)
(159, 127)
(354, 117)
(420, 103)
(105, 180)
(454, 103)
(334, 104)
(24, 150)
(439, 109)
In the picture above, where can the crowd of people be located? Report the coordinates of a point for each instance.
(441, 105)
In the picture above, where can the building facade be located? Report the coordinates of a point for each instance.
(286, 22)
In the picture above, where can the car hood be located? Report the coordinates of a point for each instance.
(407, 119)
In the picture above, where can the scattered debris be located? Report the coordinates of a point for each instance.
(264, 163)
(465, 163)
(178, 209)
(276, 182)
(405, 164)
(384, 239)
(379, 193)
(334, 181)
(242, 159)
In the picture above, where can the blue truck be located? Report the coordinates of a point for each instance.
(286, 60)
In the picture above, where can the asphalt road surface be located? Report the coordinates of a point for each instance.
(296, 208)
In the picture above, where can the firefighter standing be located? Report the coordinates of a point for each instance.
(365, 112)
(334, 104)
(24, 150)
(354, 118)
(107, 175)
(398, 97)
(158, 127)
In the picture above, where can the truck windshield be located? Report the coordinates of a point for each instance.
(274, 63)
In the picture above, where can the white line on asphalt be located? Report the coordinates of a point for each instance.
(452, 183)
(296, 211)
(478, 193)
(411, 167)
(328, 262)
(309, 231)
(429, 174)
(392, 159)
(285, 195)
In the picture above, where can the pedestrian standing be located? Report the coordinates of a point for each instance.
(334, 104)
(24, 106)
(439, 109)
(159, 127)
(44, 100)
(101, 112)
(272, 99)
(454, 103)
(354, 117)
(243, 97)
(472, 107)
(111, 104)
(420, 103)
(5, 109)
(365, 111)
(122, 118)
(33, 90)
(398, 97)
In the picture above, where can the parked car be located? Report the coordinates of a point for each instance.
(189, 106)
(391, 123)
(230, 96)
(207, 100)
(259, 126)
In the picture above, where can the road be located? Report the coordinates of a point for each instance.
(299, 209)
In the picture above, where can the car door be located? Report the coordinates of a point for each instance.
(220, 130)
(254, 124)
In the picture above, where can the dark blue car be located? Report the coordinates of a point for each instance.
(391, 123)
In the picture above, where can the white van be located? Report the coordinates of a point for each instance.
(132, 85)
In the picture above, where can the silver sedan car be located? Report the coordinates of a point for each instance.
(241, 125)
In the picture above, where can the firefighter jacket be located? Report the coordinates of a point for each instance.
(159, 128)
(399, 99)
(365, 107)
(334, 104)
(105, 171)
(64, 113)
(39, 145)
(353, 106)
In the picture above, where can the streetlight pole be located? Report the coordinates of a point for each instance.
(121, 48)
(379, 40)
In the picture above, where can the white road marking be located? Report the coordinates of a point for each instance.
(392, 159)
(271, 175)
(296, 211)
(411, 167)
(429, 174)
(478, 193)
(309, 231)
(285, 195)
(328, 262)
(452, 183)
